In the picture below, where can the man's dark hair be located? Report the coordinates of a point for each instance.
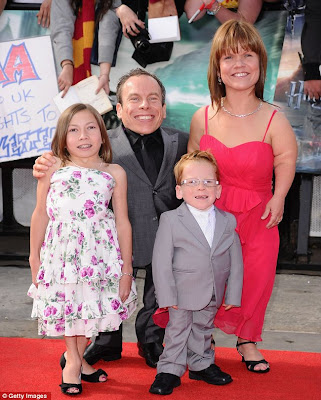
(137, 72)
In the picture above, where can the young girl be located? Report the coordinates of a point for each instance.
(80, 251)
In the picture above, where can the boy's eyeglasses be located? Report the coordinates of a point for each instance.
(197, 182)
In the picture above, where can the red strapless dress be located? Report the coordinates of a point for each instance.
(246, 178)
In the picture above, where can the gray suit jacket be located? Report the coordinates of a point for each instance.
(187, 271)
(145, 201)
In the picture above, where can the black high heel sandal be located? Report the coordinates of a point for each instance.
(93, 378)
(66, 386)
(251, 364)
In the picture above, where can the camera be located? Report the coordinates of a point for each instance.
(141, 40)
(149, 53)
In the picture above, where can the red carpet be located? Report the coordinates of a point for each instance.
(32, 365)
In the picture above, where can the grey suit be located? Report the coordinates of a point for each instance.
(192, 275)
(145, 204)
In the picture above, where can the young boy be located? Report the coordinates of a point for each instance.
(196, 254)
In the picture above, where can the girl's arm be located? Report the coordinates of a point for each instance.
(124, 230)
(39, 222)
(285, 154)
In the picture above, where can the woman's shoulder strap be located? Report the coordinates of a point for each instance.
(268, 125)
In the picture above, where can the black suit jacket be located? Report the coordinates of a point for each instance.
(146, 201)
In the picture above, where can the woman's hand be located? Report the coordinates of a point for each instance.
(125, 285)
(103, 84)
(275, 207)
(43, 15)
(129, 20)
(65, 78)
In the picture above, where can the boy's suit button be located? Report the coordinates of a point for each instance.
(154, 191)
(155, 218)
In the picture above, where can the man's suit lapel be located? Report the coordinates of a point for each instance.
(170, 151)
(122, 149)
(220, 224)
(191, 224)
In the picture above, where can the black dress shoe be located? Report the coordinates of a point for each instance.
(212, 375)
(151, 352)
(165, 383)
(94, 353)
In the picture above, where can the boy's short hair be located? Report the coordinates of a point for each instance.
(199, 156)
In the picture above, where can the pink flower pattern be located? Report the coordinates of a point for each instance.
(80, 258)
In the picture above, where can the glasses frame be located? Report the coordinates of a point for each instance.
(197, 182)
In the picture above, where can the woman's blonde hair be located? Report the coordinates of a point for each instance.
(58, 145)
(227, 39)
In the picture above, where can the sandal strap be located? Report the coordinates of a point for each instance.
(66, 386)
(94, 377)
(240, 344)
(251, 364)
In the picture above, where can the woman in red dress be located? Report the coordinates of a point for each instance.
(249, 139)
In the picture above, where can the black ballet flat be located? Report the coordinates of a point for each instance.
(251, 364)
(93, 378)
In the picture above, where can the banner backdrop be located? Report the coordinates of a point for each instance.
(28, 83)
(185, 74)
(304, 116)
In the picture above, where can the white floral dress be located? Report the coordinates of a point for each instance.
(78, 280)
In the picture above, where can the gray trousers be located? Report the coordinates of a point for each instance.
(187, 339)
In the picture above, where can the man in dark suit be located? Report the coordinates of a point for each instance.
(148, 153)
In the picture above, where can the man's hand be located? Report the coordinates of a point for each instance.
(42, 164)
(313, 89)
(227, 306)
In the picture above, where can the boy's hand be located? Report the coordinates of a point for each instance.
(228, 306)
(42, 164)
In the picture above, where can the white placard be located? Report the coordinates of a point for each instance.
(164, 29)
(28, 84)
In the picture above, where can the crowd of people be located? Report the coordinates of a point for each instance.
(198, 211)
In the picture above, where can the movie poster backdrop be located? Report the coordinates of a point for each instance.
(184, 76)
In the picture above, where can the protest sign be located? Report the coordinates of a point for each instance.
(28, 84)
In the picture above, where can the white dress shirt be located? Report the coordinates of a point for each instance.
(206, 220)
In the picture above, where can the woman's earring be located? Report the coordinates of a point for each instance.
(219, 80)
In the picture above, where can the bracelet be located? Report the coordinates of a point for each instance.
(126, 273)
(68, 62)
(215, 10)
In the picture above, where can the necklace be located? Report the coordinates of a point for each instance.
(241, 115)
(78, 166)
